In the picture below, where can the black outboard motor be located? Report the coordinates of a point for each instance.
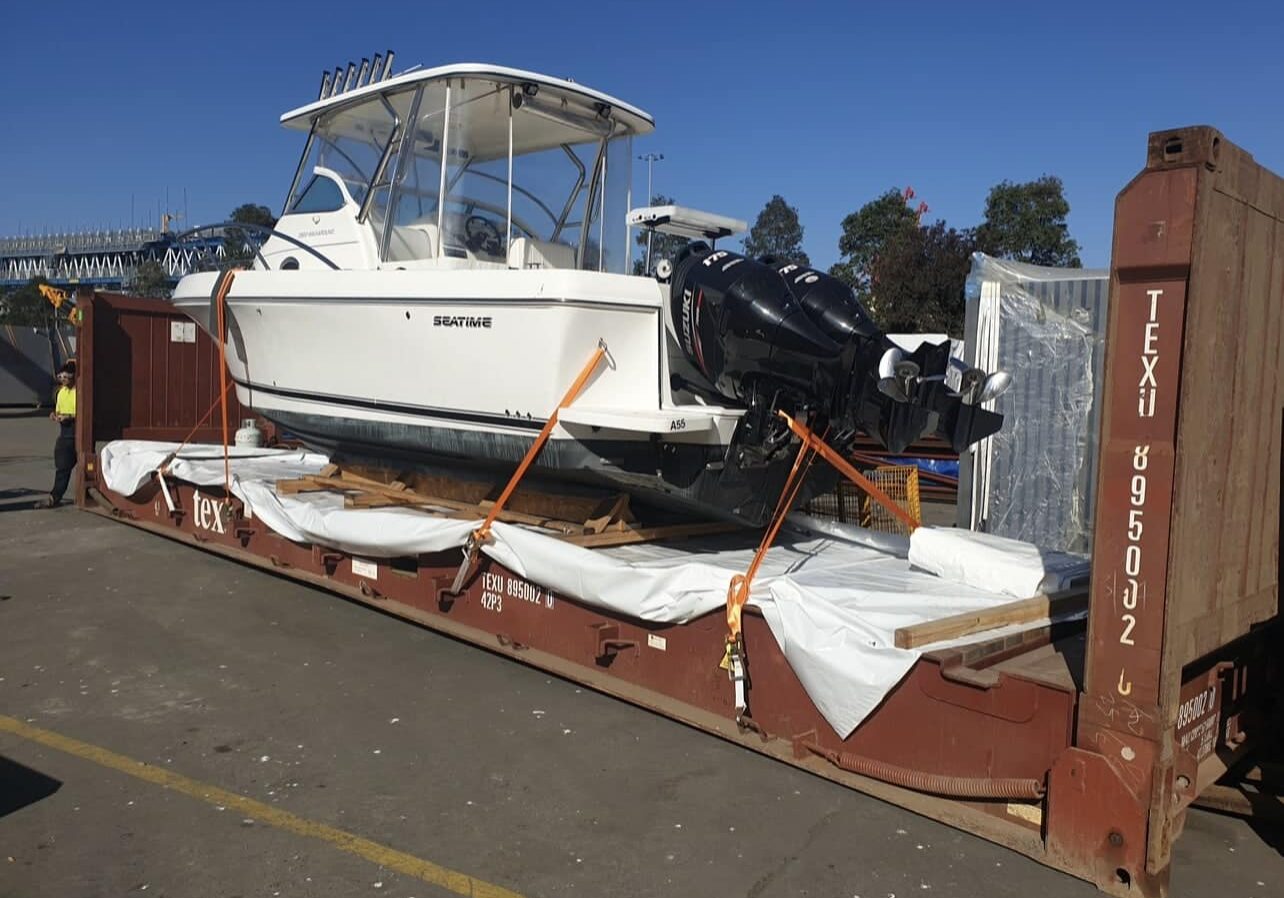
(828, 301)
(743, 332)
(776, 335)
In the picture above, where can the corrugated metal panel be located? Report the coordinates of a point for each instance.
(174, 380)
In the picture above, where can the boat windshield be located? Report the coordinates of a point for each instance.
(526, 172)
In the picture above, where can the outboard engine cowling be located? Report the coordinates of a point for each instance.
(775, 335)
(827, 301)
(744, 332)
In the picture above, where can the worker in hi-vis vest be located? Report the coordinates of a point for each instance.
(65, 446)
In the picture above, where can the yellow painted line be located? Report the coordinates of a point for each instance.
(459, 883)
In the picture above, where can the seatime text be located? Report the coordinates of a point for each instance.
(461, 321)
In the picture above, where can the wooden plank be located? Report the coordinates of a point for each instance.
(611, 527)
(612, 511)
(1224, 543)
(652, 534)
(1264, 528)
(304, 485)
(369, 497)
(557, 506)
(1022, 611)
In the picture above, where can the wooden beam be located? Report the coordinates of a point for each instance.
(610, 526)
(1022, 611)
(651, 534)
(306, 485)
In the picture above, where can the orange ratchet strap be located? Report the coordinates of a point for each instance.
(811, 445)
(733, 656)
(482, 533)
(220, 300)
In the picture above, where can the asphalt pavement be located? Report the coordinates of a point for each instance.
(173, 723)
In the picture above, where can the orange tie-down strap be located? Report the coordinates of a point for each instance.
(811, 445)
(482, 533)
(222, 287)
(845, 468)
(738, 591)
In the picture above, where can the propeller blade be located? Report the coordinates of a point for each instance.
(996, 385)
(887, 364)
(891, 387)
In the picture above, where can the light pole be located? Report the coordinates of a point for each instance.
(650, 159)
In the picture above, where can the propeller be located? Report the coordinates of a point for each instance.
(976, 387)
(897, 375)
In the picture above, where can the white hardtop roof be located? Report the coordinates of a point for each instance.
(684, 222)
(639, 122)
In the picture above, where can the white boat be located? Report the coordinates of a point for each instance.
(455, 245)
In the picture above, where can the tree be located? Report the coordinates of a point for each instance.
(238, 243)
(253, 213)
(918, 278)
(663, 246)
(777, 232)
(865, 232)
(1027, 223)
(25, 306)
(150, 280)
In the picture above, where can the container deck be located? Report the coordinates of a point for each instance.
(1080, 746)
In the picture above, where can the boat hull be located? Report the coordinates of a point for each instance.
(378, 378)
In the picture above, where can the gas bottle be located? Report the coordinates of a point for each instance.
(249, 435)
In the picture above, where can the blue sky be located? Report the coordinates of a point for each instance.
(826, 103)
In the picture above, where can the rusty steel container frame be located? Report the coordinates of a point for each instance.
(1087, 766)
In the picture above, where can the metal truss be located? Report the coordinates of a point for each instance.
(101, 258)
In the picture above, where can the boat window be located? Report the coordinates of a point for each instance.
(610, 230)
(417, 178)
(475, 219)
(349, 142)
(321, 195)
(568, 159)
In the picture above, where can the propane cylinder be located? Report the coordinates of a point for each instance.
(249, 435)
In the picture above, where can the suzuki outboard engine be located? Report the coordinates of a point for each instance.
(775, 335)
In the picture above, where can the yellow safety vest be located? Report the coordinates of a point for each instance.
(65, 404)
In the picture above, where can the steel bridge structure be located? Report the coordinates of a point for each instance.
(104, 259)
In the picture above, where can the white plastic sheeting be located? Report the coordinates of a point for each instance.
(995, 563)
(1036, 479)
(832, 594)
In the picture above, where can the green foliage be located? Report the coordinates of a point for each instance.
(918, 279)
(238, 243)
(25, 306)
(865, 233)
(912, 277)
(663, 246)
(253, 213)
(777, 232)
(151, 281)
(1027, 223)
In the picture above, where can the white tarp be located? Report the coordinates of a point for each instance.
(832, 594)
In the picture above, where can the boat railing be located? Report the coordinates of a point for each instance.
(206, 260)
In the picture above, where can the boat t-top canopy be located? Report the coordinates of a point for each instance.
(683, 222)
(547, 88)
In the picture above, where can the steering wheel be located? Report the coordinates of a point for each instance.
(481, 235)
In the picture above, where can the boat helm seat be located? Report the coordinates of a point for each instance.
(524, 253)
(412, 241)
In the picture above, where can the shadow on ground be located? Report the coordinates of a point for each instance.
(21, 786)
